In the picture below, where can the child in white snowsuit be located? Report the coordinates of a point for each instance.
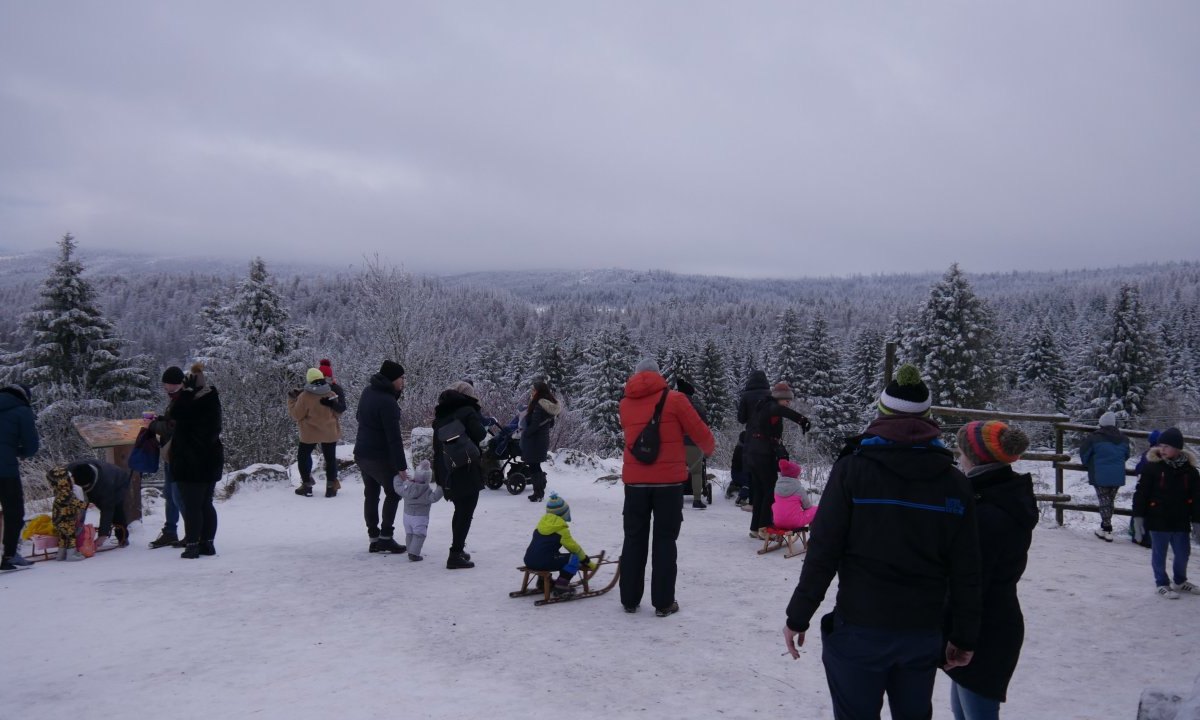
(418, 494)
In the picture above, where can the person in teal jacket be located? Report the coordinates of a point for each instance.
(1105, 452)
(551, 534)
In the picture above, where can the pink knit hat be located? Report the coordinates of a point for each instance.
(789, 469)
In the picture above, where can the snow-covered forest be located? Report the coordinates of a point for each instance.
(91, 332)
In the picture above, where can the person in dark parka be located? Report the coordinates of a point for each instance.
(756, 388)
(764, 449)
(1166, 505)
(18, 439)
(461, 485)
(106, 487)
(197, 459)
(1006, 513)
(535, 434)
(379, 454)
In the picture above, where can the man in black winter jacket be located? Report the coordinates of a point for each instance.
(379, 453)
(896, 524)
(106, 487)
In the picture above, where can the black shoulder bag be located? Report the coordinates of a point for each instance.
(645, 446)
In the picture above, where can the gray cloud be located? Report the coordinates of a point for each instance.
(733, 138)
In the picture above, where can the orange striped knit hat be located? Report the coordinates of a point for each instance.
(991, 442)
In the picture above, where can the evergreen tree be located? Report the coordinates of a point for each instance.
(952, 343)
(1123, 363)
(713, 384)
(73, 351)
(818, 363)
(1042, 365)
(785, 351)
(549, 363)
(680, 361)
(864, 367)
(609, 361)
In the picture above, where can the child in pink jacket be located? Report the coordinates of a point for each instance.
(793, 507)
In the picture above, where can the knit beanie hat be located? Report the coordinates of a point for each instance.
(326, 367)
(1154, 436)
(991, 442)
(906, 394)
(787, 468)
(1172, 437)
(172, 376)
(782, 391)
(423, 474)
(645, 364)
(313, 375)
(557, 506)
(391, 370)
(1108, 420)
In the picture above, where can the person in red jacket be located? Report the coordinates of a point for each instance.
(653, 490)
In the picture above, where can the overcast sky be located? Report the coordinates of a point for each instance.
(738, 138)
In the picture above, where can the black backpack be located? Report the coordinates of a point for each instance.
(457, 449)
(645, 446)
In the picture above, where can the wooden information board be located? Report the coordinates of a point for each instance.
(115, 438)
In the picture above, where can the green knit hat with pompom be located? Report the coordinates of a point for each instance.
(906, 394)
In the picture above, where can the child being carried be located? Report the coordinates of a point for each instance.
(552, 533)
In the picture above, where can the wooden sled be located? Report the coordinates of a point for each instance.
(778, 538)
(580, 588)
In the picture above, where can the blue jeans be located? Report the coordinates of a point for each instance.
(967, 705)
(174, 501)
(862, 664)
(1181, 548)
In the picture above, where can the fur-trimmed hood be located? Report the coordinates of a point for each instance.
(552, 408)
(1154, 455)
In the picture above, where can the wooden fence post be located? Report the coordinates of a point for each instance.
(1058, 472)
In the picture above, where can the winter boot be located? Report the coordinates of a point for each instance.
(374, 546)
(562, 586)
(331, 489)
(6, 565)
(207, 548)
(305, 490)
(457, 561)
(164, 539)
(669, 610)
(20, 561)
(388, 545)
(70, 555)
(698, 504)
(415, 558)
(191, 552)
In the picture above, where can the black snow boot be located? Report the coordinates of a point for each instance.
(458, 561)
(191, 552)
(207, 548)
(331, 490)
(164, 539)
(387, 545)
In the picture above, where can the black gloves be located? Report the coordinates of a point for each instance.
(805, 424)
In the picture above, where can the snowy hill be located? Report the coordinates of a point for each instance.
(294, 619)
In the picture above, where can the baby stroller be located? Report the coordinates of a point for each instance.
(502, 464)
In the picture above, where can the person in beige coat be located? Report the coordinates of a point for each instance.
(317, 410)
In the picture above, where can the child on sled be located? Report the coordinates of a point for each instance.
(793, 508)
(551, 534)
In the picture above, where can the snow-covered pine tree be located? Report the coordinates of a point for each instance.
(832, 407)
(1124, 363)
(681, 361)
(252, 355)
(951, 342)
(609, 361)
(864, 366)
(785, 351)
(713, 384)
(548, 362)
(1042, 364)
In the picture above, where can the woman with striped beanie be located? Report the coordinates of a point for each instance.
(1007, 513)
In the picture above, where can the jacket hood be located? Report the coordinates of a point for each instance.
(13, 396)
(909, 462)
(451, 400)
(1008, 491)
(904, 428)
(550, 524)
(1154, 454)
(552, 408)
(756, 380)
(1111, 434)
(379, 382)
(645, 383)
(787, 486)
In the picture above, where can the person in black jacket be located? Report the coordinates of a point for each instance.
(896, 524)
(755, 389)
(1007, 514)
(197, 460)
(379, 454)
(1165, 505)
(535, 434)
(18, 439)
(461, 485)
(764, 449)
(106, 487)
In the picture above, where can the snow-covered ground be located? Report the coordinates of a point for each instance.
(294, 619)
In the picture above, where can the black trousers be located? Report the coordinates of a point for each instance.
(863, 664)
(661, 507)
(12, 497)
(465, 500)
(304, 460)
(377, 476)
(199, 514)
(764, 472)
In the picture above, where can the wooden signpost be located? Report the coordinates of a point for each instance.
(116, 438)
